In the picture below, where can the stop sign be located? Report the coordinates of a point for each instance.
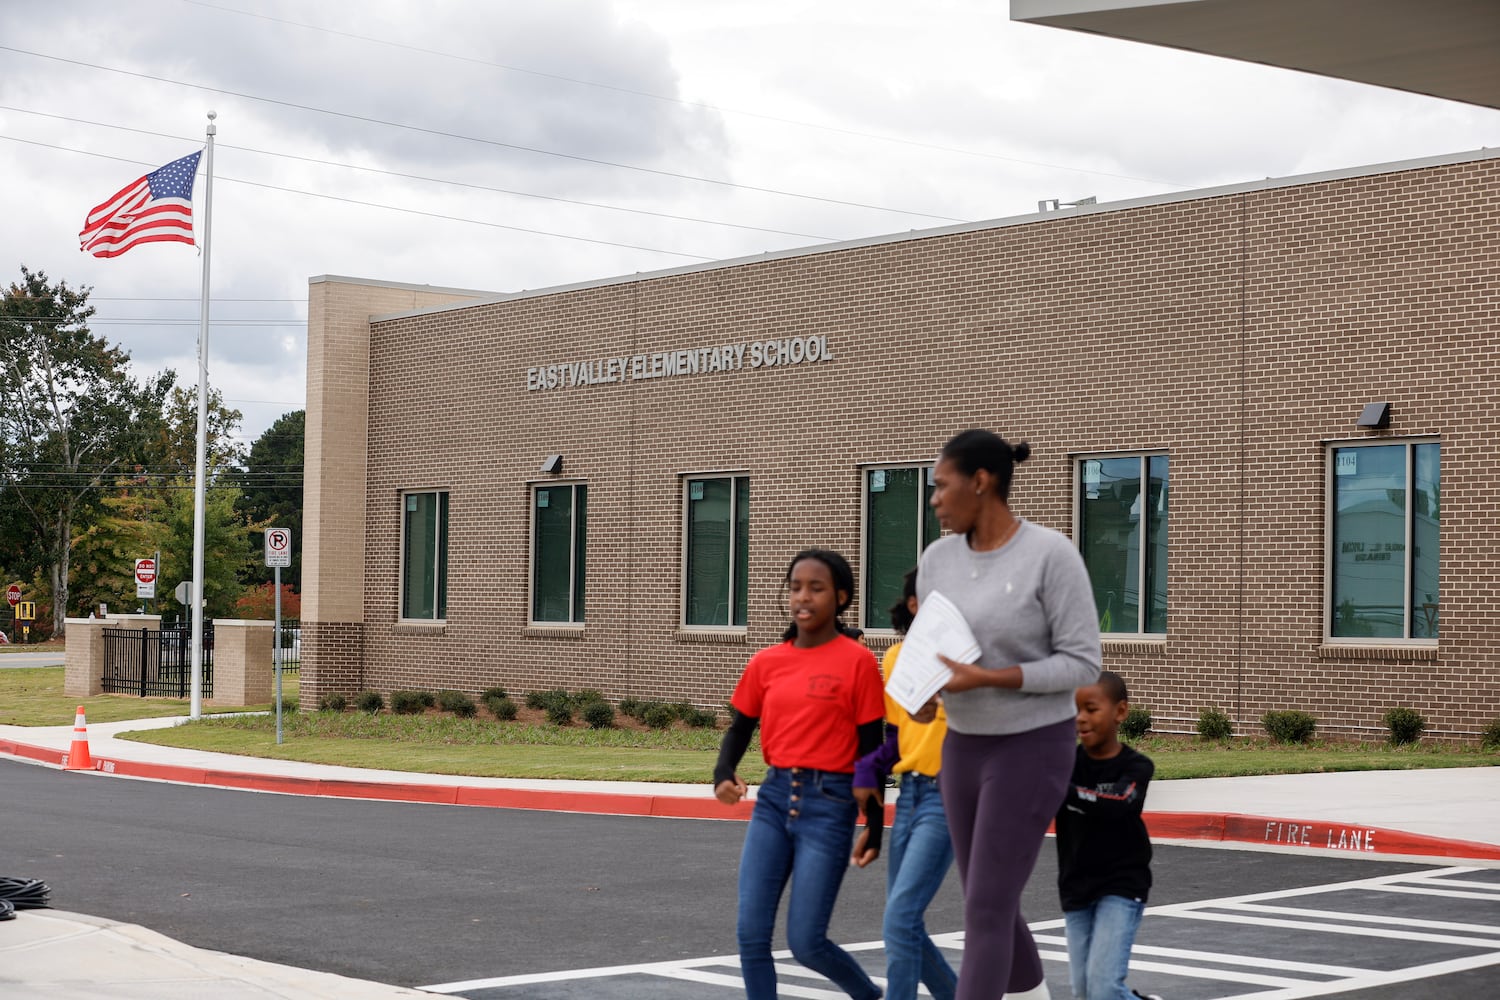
(13, 594)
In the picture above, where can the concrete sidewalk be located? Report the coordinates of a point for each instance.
(1441, 814)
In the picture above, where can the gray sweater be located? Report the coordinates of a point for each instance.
(1030, 605)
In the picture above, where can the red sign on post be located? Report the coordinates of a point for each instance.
(13, 594)
(145, 578)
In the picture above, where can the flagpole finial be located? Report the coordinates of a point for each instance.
(212, 115)
(212, 128)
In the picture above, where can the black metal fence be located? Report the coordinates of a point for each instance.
(291, 646)
(155, 664)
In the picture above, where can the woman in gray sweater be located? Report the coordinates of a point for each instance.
(1025, 593)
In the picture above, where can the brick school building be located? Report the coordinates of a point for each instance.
(1261, 411)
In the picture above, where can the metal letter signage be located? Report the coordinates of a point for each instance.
(722, 358)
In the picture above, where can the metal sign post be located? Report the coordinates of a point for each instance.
(278, 554)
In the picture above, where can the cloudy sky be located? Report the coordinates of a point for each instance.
(501, 144)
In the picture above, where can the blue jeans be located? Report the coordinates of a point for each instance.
(918, 858)
(1099, 941)
(802, 829)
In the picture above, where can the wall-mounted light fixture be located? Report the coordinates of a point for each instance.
(1053, 204)
(552, 464)
(1374, 417)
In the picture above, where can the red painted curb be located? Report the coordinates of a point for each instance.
(1331, 838)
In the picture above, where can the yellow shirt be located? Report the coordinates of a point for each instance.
(920, 744)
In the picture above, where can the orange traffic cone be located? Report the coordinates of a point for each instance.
(78, 758)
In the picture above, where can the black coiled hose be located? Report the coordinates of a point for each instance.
(22, 894)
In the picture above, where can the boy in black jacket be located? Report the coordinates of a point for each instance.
(1103, 850)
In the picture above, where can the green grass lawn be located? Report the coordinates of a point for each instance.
(481, 747)
(33, 696)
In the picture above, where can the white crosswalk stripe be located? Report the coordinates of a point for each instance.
(1232, 959)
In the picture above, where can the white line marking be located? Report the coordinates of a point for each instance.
(1412, 890)
(716, 979)
(1193, 972)
(1326, 928)
(1493, 887)
(1364, 918)
(1308, 890)
(566, 975)
(1406, 975)
(1222, 958)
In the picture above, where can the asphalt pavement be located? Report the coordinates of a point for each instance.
(1432, 817)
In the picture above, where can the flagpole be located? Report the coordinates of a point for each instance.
(200, 464)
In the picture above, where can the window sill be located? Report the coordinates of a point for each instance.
(881, 641)
(725, 637)
(409, 627)
(1134, 644)
(1426, 652)
(554, 630)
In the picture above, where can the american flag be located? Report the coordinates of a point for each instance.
(155, 208)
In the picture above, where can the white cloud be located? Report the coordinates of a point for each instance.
(992, 116)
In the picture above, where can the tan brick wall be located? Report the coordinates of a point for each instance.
(1238, 332)
(338, 335)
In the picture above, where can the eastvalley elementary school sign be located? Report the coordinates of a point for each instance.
(693, 361)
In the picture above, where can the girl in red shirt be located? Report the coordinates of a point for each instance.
(818, 699)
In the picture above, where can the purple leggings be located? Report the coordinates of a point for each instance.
(1000, 792)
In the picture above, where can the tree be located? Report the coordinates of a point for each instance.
(176, 447)
(271, 491)
(71, 417)
(131, 524)
(226, 544)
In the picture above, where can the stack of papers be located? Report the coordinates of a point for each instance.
(939, 628)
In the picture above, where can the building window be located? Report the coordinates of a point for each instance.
(718, 547)
(1122, 534)
(899, 524)
(559, 531)
(1383, 535)
(424, 556)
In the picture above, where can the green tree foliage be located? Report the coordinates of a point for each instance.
(176, 446)
(225, 546)
(72, 420)
(271, 492)
(130, 524)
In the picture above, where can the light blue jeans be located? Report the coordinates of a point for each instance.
(802, 829)
(918, 858)
(1100, 937)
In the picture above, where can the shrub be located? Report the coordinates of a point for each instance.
(1137, 724)
(1489, 736)
(407, 702)
(1290, 726)
(501, 708)
(560, 713)
(369, 701)
(1406, 725)
(658, 716)
(1214, 725)
(699, 718)
(598, 714)
(288, 704)
(428, 699)
(682, 709)
(546, 699)
(492, 692)
(644, 708)
(631, 707)
(332, 701)
(588, 696)
(458, 703)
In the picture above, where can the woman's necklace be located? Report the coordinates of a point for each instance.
(1015, 526)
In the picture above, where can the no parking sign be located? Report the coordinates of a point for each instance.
(278, 547)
